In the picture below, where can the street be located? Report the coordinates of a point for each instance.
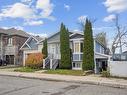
(23, 86)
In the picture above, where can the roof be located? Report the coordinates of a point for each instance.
(38, 40)
(56, 34)
(125, 52)
(13, 31)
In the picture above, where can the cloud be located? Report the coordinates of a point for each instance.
(110, 18)
(38, 34)
(26, 1)
(116, 5)
(82, 19)
(34, 22)
(17, 10)
(16, 27)
(42, 9)
(67, 7)
(46, 7)
(102, 28)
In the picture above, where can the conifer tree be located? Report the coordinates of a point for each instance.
(44, 49)
(88, 49)
(64, 48)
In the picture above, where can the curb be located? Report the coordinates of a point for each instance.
(122, 86)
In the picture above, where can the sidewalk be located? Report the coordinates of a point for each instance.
(120, 83)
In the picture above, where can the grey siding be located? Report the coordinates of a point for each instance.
(54, 38)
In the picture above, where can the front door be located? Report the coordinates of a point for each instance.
(10, 59)
(101, 65)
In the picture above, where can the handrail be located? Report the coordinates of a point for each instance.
(55, 63)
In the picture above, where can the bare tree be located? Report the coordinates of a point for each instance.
(82, 22)
(120, 37)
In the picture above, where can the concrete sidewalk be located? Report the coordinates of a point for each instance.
(120, 83)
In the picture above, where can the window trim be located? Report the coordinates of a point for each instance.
(10, 41)
(79, 43)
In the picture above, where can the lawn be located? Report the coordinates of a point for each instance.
(25, 69)
(65, 72)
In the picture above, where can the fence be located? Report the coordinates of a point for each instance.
(118, 68)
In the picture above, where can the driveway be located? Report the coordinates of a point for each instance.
(23, 86)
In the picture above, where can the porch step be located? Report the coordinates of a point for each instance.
(55, 63)
(50, 63)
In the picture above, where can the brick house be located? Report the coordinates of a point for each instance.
(10, 42)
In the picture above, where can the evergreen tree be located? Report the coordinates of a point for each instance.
(65, 48)
(44, 49)
(88, 50)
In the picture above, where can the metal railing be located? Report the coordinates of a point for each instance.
(46, 63)
(54, 63)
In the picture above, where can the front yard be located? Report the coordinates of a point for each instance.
(65, 72)
(25, 69)
(58, 71)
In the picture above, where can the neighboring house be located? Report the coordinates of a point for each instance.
(10, 42)
(119, 57)
(76, 45)
(34, 44)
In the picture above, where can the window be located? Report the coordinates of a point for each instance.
(10, 40)
(76, 47)
(76, 65)
(97, 47)
(81, 47)
(102, 50)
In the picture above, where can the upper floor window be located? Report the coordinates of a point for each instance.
(81, 47)
(10, 41)
(78, 47)
(99, 48)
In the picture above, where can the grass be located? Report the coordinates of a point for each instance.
(25, 69)
(65, 72)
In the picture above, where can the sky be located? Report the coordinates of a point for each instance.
(43, 17)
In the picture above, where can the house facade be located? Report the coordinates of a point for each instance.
(76, 45)
(33, 44)
(10, 42)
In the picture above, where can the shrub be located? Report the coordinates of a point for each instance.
(34, 60)
(105, 74)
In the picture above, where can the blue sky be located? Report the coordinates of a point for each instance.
(44, 16)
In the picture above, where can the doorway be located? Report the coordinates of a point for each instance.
(101, 65)
(10, 59)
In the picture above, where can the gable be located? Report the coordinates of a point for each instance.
(76, 36)
(26, 47)
(54, 38)
(31, 43)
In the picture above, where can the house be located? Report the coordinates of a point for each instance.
(33, 44)
(10, 42)
(76, 45)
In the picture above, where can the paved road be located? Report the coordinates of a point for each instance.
(23, 86)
